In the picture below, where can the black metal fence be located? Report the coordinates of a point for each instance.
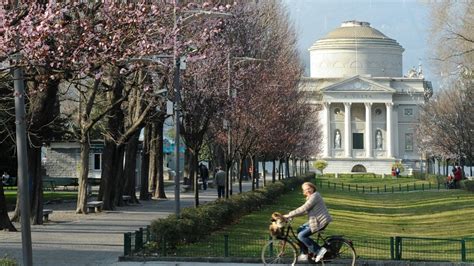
(142, 243)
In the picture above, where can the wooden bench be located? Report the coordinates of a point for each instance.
(126, 199)
(94, 206)
(49, 184)
(46, 213)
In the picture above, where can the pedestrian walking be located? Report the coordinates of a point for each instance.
(204, 173)
(220, 182)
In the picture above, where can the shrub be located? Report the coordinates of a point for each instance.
(196, 223)
(7, 262)
(467, 185)
(320, 165)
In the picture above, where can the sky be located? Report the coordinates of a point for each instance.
(406, 21)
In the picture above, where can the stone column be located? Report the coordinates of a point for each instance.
(368, 130)
(388, 137)
(347, 130)
(327, 129)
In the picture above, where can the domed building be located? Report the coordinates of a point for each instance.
(370, 108)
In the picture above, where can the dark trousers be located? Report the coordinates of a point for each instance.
(220, 191)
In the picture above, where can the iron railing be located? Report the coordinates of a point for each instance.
(142, 243)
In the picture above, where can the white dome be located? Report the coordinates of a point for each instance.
(355, 48)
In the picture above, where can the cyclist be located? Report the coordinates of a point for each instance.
(319, 218)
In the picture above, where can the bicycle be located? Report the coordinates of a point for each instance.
(285, 247)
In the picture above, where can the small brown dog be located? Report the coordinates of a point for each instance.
(278, 222)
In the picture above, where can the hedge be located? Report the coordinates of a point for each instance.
(195, 223)
(467, 185)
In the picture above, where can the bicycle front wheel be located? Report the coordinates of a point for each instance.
(279, 251)
(340, 252)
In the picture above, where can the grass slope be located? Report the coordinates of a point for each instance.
(361, 216)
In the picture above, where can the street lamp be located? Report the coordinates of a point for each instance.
(227, 124)
(177, 85)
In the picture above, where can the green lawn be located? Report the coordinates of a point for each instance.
(10, 196)
(370, 219)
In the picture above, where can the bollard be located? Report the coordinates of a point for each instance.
(463, 250)
(127, 244)
(139, 240)
(392, 248)
(226, 246)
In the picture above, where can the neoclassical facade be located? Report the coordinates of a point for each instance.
(369, 108)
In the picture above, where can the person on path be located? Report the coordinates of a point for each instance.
(204, 173)
(220, 182)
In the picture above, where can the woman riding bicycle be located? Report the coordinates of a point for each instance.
(319, 218)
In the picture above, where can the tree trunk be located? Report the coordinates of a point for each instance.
(5, 223)
(256, 172)
(194, 167)
(160, 187)
(273, 171)
(145, 164)
(119, 174)
(153, 149)
(241, 173)
(129, 172)
(81, 206)
(264, 171)
(109, 175)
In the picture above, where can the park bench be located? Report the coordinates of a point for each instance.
(10, 182)
(51, 183)
(94, 206)
(46, 213)
(126, 199)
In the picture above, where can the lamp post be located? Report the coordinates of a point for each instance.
(178, 65)
(23, 177)
(228, 125)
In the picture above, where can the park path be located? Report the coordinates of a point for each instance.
(96, 238)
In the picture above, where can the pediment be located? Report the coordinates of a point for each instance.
(358, 84)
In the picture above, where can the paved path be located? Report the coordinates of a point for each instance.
(93, 239)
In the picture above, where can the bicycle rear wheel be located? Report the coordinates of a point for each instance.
(340, 252)
(278, 251)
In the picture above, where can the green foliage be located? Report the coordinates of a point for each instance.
(467, 185)
(7, 262)
(436, 179)
(358, 175)
(320, 165)
(196, 223)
